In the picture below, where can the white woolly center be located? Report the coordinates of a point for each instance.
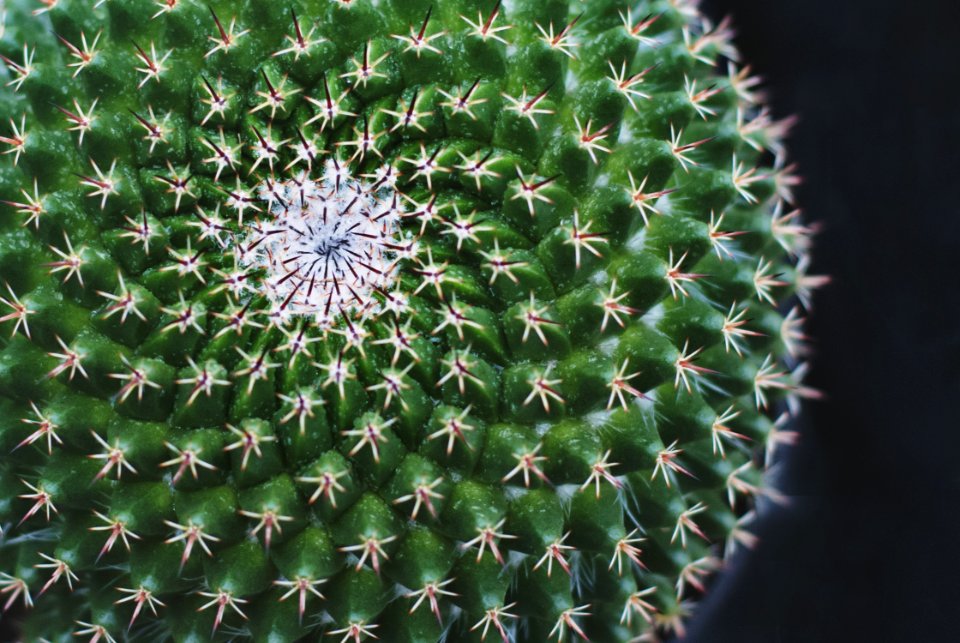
(328, 244)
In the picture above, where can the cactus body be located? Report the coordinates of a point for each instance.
(399, 318)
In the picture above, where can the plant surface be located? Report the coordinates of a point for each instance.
(419, 320)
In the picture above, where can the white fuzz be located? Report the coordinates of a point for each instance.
(328, 244)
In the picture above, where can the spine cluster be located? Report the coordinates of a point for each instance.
(330, 246)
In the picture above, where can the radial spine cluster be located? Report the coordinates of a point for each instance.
(417, 320)
(331, 245)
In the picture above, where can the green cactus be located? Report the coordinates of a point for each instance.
(412, 319)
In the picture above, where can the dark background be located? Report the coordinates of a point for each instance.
(869, 549)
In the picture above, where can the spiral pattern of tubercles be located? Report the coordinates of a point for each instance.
(413, 319)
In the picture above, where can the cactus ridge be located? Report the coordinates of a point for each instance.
(418, 320)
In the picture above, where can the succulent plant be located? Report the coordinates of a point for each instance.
(415, 320)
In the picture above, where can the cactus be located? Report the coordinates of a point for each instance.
(415, 320)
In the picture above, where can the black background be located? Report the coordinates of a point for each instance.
(869, 549)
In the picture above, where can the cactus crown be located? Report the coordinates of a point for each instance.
(419, 319)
